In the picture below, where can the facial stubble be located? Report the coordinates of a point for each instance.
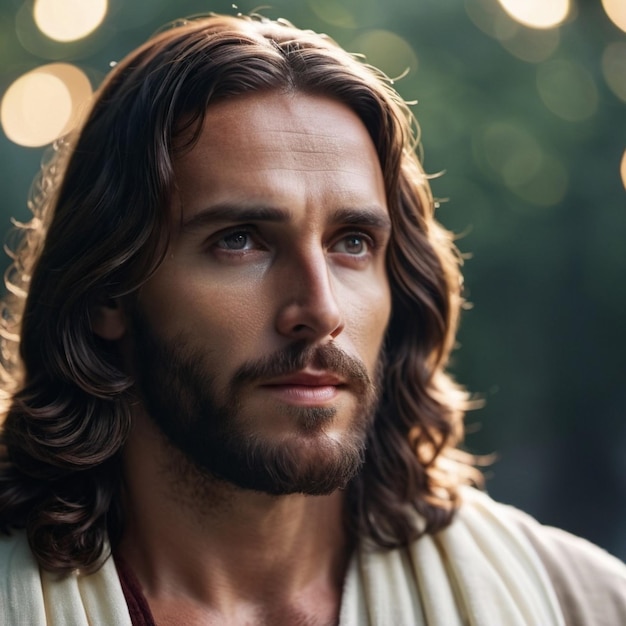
(217, 439)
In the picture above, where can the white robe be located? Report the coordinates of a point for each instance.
(482, 570)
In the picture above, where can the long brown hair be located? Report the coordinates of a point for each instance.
(100, 228)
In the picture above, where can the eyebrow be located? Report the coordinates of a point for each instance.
(373, 217)
(233, 213)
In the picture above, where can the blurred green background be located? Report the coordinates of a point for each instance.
(528, 127)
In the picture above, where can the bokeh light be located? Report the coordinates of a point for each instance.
(483, 15)
(387, 51)
(69, 20)
(623, 169)
(520, 162)
(567, 89)
(548, 185)
(537, 13)
(43, 104)
(512, 152)
(614, 68)
(528, 44)
(333, 13)
(616, 10)
(531, 45)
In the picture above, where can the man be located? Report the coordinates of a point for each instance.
(230, 403)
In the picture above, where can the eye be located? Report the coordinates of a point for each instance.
(237, 240)
(354, 244)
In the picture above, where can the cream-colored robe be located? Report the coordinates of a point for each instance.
(493, 566)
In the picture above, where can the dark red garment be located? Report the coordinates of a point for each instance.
(138, 608)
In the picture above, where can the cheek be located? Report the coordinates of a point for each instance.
(367, 323)
(239, 317)
(192, 303)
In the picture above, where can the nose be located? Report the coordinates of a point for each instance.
(310, 309)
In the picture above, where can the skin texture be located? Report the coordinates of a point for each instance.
(280, 248)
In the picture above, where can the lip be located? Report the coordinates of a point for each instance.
(307, 379)
(306, 388)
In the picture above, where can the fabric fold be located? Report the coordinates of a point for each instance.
(479, 571)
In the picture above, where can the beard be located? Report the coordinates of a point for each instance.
(216, 436)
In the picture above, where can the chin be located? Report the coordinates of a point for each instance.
(312, 465)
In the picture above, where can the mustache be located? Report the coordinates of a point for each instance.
(298, 356)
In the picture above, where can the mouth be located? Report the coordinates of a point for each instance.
(306, 388)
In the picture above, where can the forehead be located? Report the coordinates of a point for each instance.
(257, 118)
(275, 143)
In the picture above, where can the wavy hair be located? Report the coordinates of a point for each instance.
(100, 229)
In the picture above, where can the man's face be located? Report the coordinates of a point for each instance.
(257, 342)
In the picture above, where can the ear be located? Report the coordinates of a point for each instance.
(108, 319)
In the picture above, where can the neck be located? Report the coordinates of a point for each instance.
(219, 545)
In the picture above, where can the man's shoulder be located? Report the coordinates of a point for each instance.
(16, 557)
(30, 595)
(20, 584)
(590, 584)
